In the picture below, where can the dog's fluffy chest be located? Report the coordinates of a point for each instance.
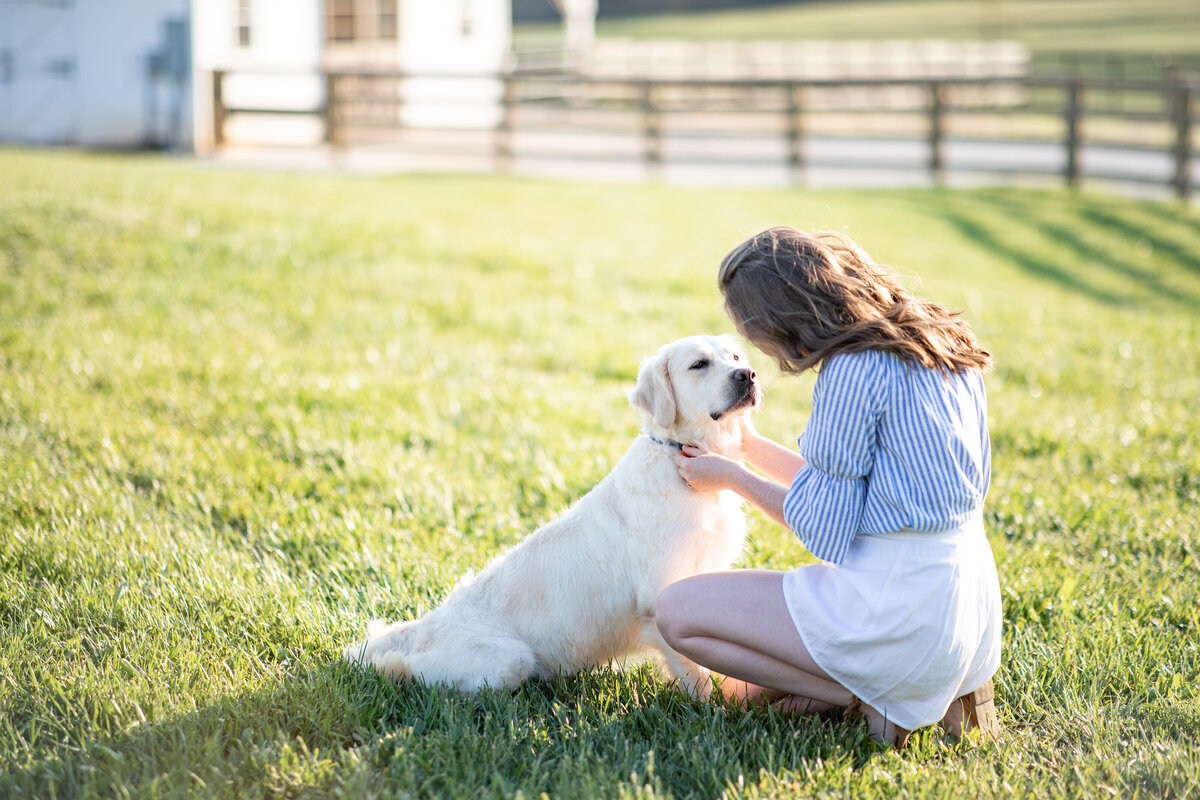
(664, 515)
(641, 527)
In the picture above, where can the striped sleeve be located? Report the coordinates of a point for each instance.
(825, 502)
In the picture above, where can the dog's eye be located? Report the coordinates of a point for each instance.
(701, 364)
(736, 357)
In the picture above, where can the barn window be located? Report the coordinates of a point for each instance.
(386, 25)
(467, 18)
(242, 23)
(362, 20)
(339, 20)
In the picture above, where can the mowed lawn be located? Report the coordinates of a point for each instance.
(241, 414)
(1094, 25)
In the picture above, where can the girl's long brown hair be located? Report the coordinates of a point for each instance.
(803, 298)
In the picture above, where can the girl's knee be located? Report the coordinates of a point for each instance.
(672, 611)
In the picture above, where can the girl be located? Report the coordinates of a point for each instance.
(900, 622)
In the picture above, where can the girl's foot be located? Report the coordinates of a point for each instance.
(882, 730)
(798, 704)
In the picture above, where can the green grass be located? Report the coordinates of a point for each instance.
(1144, 25)
(240, 414)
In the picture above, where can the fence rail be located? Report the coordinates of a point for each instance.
(662, 121)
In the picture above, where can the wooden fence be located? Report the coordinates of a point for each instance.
(1070, 113)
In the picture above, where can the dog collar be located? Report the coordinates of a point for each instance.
(667, 442)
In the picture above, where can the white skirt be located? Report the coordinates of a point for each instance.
(908, 621)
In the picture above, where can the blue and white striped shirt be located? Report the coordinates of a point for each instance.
(890, 445)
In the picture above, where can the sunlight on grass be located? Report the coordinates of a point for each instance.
(240, 414)
(1146, 25)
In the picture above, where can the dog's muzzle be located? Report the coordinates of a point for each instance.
(743, 391)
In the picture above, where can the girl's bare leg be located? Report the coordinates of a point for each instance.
(737, 624)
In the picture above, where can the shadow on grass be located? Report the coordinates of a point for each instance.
(1008, 225)
(1188, 255)
(972, 226)
(337, 729)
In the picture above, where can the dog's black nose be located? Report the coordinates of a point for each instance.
(743, 375)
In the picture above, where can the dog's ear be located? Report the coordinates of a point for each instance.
(654, 393)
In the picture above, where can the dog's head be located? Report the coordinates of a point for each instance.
(691, 384)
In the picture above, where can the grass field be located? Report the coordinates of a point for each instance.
(240, 414)
(1144, 25)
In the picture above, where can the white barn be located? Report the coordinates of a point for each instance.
(96, 73)
(274, 51)
(135, 73)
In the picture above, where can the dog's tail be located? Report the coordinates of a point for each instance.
(381, 649)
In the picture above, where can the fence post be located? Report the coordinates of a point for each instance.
(795, 129)
(1074, 107)
(330, 115)
(504, 148)
(653, 133)
(1183, 141)
(219, 111)
(936, 133)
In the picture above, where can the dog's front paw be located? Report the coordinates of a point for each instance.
(698, 683)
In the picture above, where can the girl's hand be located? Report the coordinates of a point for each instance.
(704, 471)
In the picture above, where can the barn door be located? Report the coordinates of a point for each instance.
(38, 73)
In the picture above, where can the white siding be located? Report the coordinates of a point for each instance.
(454, 37)
(278, 70)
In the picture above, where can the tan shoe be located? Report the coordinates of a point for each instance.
(973, 710)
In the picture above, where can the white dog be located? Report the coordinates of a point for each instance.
(582, 590)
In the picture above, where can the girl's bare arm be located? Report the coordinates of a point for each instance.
(777, 462)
